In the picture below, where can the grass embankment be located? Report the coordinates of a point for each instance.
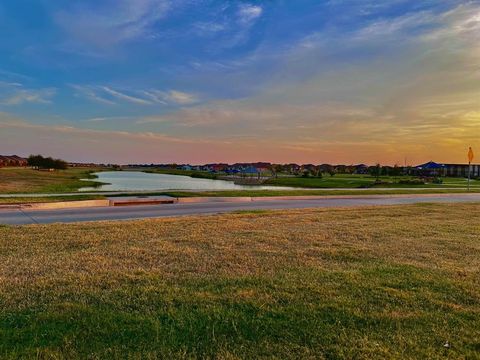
(338, 181)
(26, 180)
(191, 173)
(371, 283)
(47, 199)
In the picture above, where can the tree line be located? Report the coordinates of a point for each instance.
(46, 162)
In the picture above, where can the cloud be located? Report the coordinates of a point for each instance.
(123, 96)
(113, 22)
(171, 97)
(180, 97)
(414, 96)
(209, 28)
(107, 118)
(110, 96)
(14, 93)
(91, 93)
(248, 13)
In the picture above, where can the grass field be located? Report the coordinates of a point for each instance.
(357, 181)
(47, 199)
(370, 283)
(25, 180)
(337, 181)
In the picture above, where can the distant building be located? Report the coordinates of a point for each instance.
(461, 170)
(454, 170)
(12, 160)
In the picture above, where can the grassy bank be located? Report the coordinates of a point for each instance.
(191, 173)
(337, 181)
(25, 180)
(371, 283)
(47, 199)
(358, 181)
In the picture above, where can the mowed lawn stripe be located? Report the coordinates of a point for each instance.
(383, 282)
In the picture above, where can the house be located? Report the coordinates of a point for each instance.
(250, 170)
(461, 170)
(216, 167)
(12, 160)
(430, 169)
(361, 169)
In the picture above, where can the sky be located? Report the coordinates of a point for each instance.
(199, 81)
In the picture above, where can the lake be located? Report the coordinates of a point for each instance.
(140, 181)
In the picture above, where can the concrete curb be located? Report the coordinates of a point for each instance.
(190, 200)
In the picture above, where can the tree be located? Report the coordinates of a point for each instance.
(46, 162)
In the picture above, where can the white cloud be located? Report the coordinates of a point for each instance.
(91, 93)
(123, 96)
(171, 97)
(180, 97)
(107, 118)
(248, 13)
(110, 96)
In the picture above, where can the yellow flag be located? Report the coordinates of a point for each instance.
(470, 154)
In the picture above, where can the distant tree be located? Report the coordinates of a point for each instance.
(46, 162)
(396, 171)
(275, 169)
(376, 171)
(306, 173)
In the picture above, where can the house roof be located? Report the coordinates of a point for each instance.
(430, 166)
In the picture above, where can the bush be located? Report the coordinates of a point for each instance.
(412, 182)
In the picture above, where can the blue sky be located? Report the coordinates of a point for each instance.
(197, 81)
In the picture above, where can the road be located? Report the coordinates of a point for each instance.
(23, 216)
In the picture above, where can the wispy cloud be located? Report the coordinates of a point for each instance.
(91, 93)
(110, 96)
(13, 93)
(107, 118)
(114, 22)
(123, 96)
(172, 97)
(180, 97)
(248, 13)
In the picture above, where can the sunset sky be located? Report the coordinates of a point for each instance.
(196, 81)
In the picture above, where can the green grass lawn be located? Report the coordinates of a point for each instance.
(26, 180)
(47, 199)
(337, 181)
(364, 283)
(357, 181)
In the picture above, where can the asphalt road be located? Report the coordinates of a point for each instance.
(23, 216)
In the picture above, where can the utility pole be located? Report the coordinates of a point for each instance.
(470, 158)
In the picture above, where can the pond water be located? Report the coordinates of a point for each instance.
(140, 181)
